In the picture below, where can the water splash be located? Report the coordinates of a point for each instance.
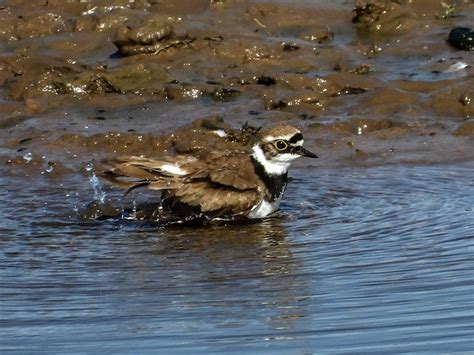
(99, 193)
(134, 210)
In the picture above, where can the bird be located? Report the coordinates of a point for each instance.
(246, 182)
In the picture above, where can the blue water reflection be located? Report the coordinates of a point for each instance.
(359, 260)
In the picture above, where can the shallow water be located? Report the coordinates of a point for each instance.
(359, 260)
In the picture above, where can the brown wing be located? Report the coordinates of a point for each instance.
(232, 169)
(223, 200)
(219, 183)
(225, 184)
(129, 172)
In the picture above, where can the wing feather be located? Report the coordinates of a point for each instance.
(218, 184)
(127, 172)
(210, 199)
(234, 170)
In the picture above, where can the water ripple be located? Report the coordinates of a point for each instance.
(359, 261)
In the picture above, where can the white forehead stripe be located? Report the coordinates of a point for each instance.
(269, 139)
(173, 169)
(273, 138)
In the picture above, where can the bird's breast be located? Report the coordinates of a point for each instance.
(264, 208)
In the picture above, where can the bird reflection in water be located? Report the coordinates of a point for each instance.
(220, 272)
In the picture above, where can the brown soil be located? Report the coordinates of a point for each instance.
(372, 82)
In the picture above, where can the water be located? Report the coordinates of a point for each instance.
(360, 260)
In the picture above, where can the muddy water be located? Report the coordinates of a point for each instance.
(359, 260)
(372, 250)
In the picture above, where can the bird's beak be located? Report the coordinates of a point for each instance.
(304, 152)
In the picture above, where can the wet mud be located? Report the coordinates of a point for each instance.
(370, 82)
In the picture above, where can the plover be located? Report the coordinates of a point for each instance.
(231, 184)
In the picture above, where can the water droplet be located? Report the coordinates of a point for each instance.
(134, 210)
(49, 168)
(28, 157)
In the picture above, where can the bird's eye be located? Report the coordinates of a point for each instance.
(280, 145)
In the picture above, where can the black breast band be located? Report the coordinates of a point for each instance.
(275, 184)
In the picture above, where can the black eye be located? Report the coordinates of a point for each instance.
(280, 145)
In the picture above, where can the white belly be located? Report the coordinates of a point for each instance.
(264, 209)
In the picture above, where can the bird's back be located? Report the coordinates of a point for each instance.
(219, 184)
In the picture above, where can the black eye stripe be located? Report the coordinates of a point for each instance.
(297, 137)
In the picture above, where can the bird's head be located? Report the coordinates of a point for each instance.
(278, 147)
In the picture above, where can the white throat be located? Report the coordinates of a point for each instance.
(278, 166)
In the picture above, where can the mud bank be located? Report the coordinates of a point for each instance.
(370, 82)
